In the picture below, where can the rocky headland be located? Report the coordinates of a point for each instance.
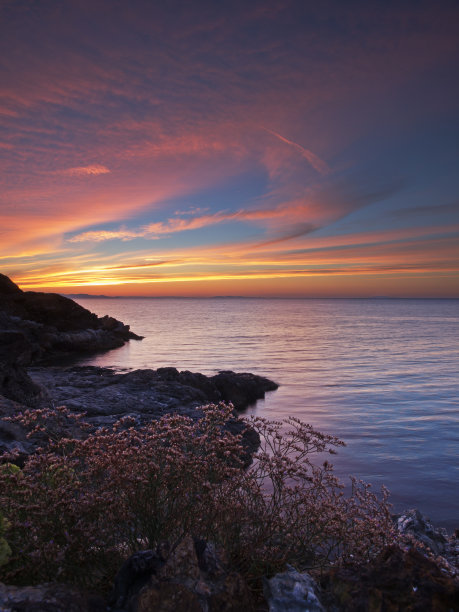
(38, 329)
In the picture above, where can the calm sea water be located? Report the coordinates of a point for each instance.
(380, 374)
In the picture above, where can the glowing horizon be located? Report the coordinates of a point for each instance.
(263, 150)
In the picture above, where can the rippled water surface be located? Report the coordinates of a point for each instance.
(380, 374)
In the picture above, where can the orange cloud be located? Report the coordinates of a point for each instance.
(373, 254)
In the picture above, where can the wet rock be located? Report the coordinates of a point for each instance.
(292, 591)
(396, 580)
(192, 577)
(242, 389)
(48, 598)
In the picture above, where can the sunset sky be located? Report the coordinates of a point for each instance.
(256, 148)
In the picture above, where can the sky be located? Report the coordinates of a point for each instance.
(256, 148)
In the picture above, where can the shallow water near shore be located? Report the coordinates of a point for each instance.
(381, 374)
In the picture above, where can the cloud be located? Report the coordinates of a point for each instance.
(282, 222)
(315, 161)
(289, 213)
(102, 235)
(175, 103)
(93, 170)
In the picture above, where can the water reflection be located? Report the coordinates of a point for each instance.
(380, 374)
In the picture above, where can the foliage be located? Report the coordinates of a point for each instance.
(5, 550)
(79, 507)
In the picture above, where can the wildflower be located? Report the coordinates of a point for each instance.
(81, 505)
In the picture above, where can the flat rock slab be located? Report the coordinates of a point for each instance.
(104, 392)
(105, 395)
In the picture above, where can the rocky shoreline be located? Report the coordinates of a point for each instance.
(104, 395)
(37, 329)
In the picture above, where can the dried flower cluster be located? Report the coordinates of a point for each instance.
(81, 506)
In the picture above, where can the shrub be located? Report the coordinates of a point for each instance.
(81, 506)
(5, 550)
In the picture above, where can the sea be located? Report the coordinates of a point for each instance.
(381, 374)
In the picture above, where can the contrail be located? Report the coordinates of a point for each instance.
(317, 163)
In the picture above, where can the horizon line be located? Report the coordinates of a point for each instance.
(250, 297)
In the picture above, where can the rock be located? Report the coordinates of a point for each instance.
(15, 352)
(107, 323)
(7, 287)
(105, 396)
(201, 382)
(13, 437)
(241, 389)
(192, 577)
(419, 526)
(396, 580)
(292, 591)
(133, 576)
(436, 540)
(48, 598)
(38, 328)
(147, 393)
(16, 384)
(15, 349)
(54, 324)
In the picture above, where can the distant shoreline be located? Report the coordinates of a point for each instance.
(84, 296)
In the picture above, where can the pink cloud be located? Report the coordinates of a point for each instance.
(315, 161)
(103, 235)
(92, 170)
